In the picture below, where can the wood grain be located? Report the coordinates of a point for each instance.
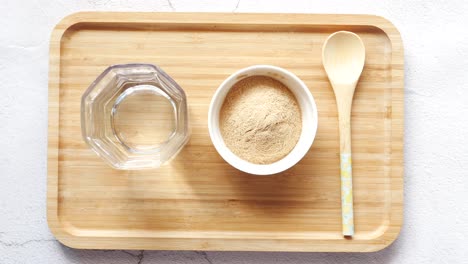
(198, 202)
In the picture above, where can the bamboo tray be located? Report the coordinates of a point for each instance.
(199, 202)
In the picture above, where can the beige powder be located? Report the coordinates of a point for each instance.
(260, 120)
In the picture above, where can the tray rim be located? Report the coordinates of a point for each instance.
(226, 244)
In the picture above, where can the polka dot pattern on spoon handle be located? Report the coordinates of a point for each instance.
(347, 194)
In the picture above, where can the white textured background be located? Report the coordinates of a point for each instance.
(435, 38)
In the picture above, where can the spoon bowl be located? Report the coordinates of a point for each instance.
(343, 57)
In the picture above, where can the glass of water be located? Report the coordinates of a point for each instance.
(134, 116)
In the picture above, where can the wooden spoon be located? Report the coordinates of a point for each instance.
(343, 57)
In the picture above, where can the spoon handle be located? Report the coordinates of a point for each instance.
(344, 112)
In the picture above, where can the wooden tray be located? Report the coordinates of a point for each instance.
(199, 202)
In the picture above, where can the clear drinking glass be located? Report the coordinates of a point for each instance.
(134, 116)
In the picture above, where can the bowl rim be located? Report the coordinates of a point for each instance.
(289, 160)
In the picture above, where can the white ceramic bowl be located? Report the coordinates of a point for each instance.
(309, 119)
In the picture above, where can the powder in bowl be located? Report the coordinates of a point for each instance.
(260, 120)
